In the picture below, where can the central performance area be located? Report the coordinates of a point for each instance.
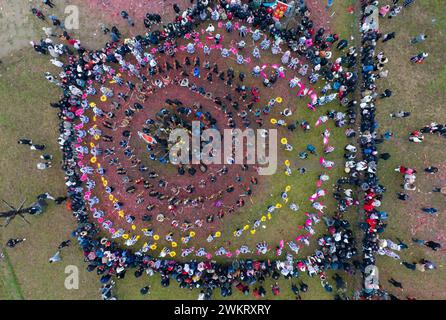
(223, 77)
(168, 197)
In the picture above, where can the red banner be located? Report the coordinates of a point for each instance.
(280, 10)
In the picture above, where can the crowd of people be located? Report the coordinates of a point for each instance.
(375, 220)
(337, 248)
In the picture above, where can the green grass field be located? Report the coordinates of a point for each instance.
(24, 112)
(26, 273)
(420, 89)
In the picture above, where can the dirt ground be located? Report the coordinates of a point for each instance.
(218, 89)
(169, 172)
(419, 89)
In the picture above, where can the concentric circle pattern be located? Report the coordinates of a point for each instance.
(225, 75)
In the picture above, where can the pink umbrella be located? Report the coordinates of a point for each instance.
(148, 139)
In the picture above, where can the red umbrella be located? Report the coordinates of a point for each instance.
(148, 139)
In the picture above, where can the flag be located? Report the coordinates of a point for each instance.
(280, 10)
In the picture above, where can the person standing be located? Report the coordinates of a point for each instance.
(25, 142)
(145, 290)
(55, 258)
(386, 94)
(410, 266)
(13, 242)
(431, 170)
(389, 36)
(126, 17)
(432, 245)
(38, 14)
(419, 58)
(48, 3)
(419, 38)
(43, 165)
(64, 244)
(395, 283)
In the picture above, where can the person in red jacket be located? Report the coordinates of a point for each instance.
(275, 289)
(256, 293)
